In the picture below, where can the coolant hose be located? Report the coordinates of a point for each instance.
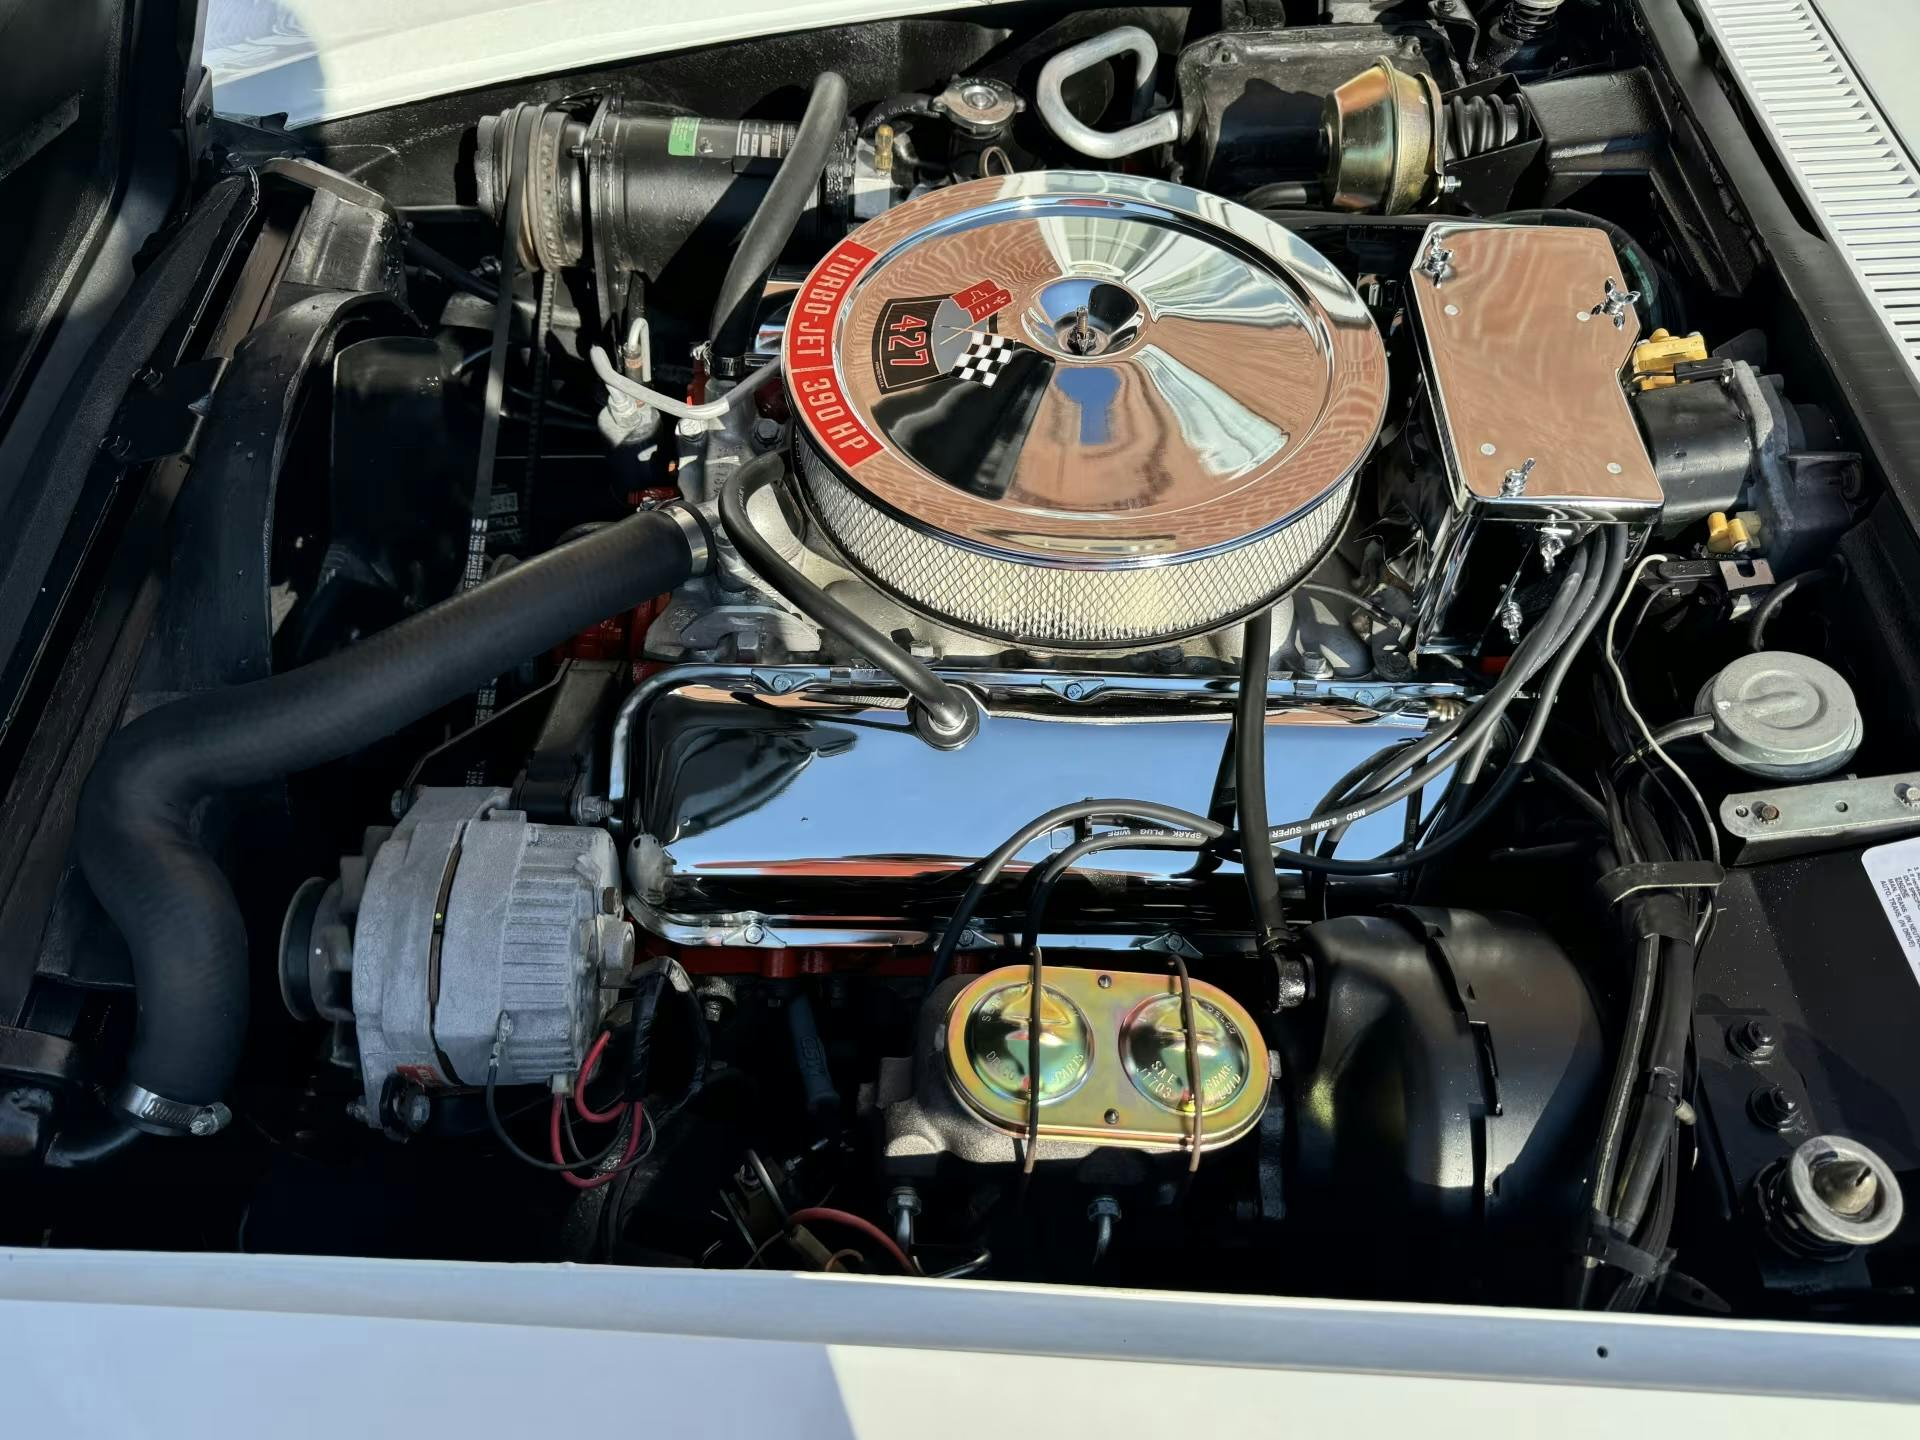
(943, 716)
(780, 210)
(162, 887)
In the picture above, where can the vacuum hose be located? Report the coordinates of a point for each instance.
(1250, 784)
(773, 223)
(163, 889)
(943, 716)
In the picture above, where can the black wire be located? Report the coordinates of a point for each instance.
(1570, 620)
(1656, 1123)
(1764, 612)
(1334, 592)
(1371, 770)
(1636, 1157)
(1572, 789)
(1191, 1038)
(1620, 1095)
(1684, 729)
(1250, 771)
(1049, 874)
(500, 1132)
(566, 1125)
(988, 870)
(1035, 993)
(772, 1190)
(1395, 861)
(1596, 596)
(1043, 885)
(1464, 735)
(1224, 798)
(1626, 637)
(900, 107)
(456, 275)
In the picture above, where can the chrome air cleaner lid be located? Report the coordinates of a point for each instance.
(1081, 409)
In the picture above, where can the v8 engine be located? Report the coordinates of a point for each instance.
(1121, 649)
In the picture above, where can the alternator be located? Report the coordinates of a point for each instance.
(460, 915)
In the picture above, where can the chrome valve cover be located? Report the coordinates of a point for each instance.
(790, 807)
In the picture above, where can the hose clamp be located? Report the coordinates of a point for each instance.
(698, 532)
(157, 1115)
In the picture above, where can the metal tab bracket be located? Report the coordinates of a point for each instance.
(1832, 815)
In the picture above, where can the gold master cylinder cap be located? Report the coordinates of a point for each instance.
(1113, 1058)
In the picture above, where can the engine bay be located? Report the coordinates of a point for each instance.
(1236, 648)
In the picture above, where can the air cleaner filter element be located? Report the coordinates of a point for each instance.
(1081, 410)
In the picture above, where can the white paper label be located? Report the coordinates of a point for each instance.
(1895, 872)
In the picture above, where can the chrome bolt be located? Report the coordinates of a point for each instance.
(1105, 982)
(1511, 618)
(755, 933)
(415, 1111)
(1908, 794)
(1553, 544)
(1113, 1117)
(1514, 482)
(1438, 263)
(1766, 813)
(1614, 304)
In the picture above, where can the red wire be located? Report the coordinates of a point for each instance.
(599, 1117)
(866, 1227)
(560, 1154)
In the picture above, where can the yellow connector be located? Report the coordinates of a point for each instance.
(1655, 357)
(1727, 535)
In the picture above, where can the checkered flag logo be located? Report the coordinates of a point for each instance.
(984, 358)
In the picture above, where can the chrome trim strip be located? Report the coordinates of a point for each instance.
(1848, 163)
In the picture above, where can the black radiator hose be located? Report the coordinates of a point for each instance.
(164, 890)
(780, 210)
